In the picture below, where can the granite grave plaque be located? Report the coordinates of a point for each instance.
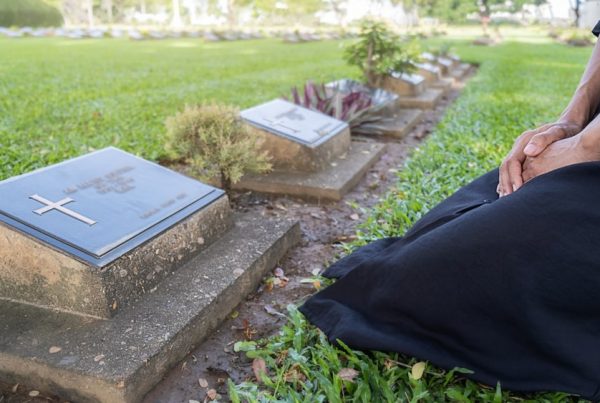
(312, 154)
(297, 138)
(90, 233)
(101, 205)
(405, 83)
(294, 122)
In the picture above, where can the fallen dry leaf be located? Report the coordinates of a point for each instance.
(259, 367)
(15, 388)
(34, 393)
(54, 349)
(99, 357)
(249, 332)
(354, 217)
(212, 394)
(348, 374)
(203, 383)
(294, 375)
(317, 284)
(417, 370)
(279, 272)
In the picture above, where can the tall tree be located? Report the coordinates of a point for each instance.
(90, 12)
(576, 7)
(108, 8)
(176, 22)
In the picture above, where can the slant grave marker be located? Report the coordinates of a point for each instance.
(108, 255)
(433, 76)
(392, 120)
(312, 153)
(413, 90)
(90, 214)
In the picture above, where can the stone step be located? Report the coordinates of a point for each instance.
(120, 359)
(331, 183)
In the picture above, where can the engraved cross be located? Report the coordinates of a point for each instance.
(59, 206)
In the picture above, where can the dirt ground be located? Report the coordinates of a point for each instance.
(324, 228)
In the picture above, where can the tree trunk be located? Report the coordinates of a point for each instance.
(225, 183)
(143, 6)
(90, 13)
(192, 11)
(231, 16)
(176, 14)
(577, 11)
(109, 11)
(369, 74)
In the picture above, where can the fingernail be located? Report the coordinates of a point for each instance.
(515, 187)
(530, 149)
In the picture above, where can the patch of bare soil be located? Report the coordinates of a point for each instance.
(324, 227)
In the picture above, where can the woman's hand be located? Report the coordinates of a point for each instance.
(559, 154)
(530, 144)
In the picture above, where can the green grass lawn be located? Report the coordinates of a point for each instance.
(61, 98)
(518, 86)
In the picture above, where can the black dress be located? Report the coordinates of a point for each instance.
(508, 288)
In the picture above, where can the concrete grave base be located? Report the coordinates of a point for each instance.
(33, 272)
(119, 360)
(459, 72)
(332, 183)
(398, 124)
(444, 84)
(426, 100)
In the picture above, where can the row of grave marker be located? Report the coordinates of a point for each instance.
(106, 235)
(136, 34)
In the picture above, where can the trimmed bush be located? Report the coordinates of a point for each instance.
(29, 13)
(214, 141)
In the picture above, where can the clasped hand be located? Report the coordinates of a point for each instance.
(542, 150)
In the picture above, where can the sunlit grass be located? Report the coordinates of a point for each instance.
(61, 98)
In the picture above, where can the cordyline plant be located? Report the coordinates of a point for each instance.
(349, 101)
(347, 107)
(379, 51)
(215, 143)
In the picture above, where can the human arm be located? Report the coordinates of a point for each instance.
(584, 147)
(580, 110)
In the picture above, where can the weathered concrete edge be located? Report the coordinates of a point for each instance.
(297, 186)
(197, 330)
(427, 100)
(134, 384)
(52, 379)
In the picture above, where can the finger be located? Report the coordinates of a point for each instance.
(499, 189)
(528, 170)
(540, 141)
(515, 170)
(505, 182)
(502, 179)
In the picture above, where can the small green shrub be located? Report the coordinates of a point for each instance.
(379, 51)
(29, 13)
(576, 37)
(215, 143)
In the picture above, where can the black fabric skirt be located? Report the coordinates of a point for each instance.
(508, 288)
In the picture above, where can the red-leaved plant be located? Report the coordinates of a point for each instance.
(349, 107)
